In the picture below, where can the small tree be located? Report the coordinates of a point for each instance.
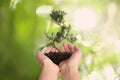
(57, 16)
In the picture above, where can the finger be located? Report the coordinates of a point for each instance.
(40, 56)
(66, 47)
(56, 50)
(48, 49)
(76, 48)
(71, 48)
(62, 49)
(76, 56)
(53, 50)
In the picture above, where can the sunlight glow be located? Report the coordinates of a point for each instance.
(86, 43)
(109, 72)
(112, 10)
(13, 3)
(43, 10)
(88, 60)
(79, 37)
(117, 46)
(58, 1)
(85, 19)
(93, 75)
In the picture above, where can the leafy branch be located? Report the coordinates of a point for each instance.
(57, 16)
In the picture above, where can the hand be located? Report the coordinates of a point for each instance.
(69, 67)
(75, 59)
(50, 70)
(45, 62)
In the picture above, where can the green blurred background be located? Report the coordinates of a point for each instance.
(96, 24)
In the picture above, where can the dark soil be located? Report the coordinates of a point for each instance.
(58, 57)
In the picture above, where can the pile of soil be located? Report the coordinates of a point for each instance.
(58, 57)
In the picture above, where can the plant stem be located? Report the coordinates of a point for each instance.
(56, 47)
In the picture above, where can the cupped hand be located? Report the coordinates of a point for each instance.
(45, 62)
(75, 59)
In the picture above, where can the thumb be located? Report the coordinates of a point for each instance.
(40, 56)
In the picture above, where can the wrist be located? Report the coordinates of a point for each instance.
(69, 69)
(51, 69)
(50, 72)
(70, 73)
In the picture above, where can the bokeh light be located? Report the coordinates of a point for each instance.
(85, 19)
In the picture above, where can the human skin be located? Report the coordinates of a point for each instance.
(67, 68)
(50, 70)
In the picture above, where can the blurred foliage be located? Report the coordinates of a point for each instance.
(22, 32)
(17, 32)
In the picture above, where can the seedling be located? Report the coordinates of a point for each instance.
(57, 16)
